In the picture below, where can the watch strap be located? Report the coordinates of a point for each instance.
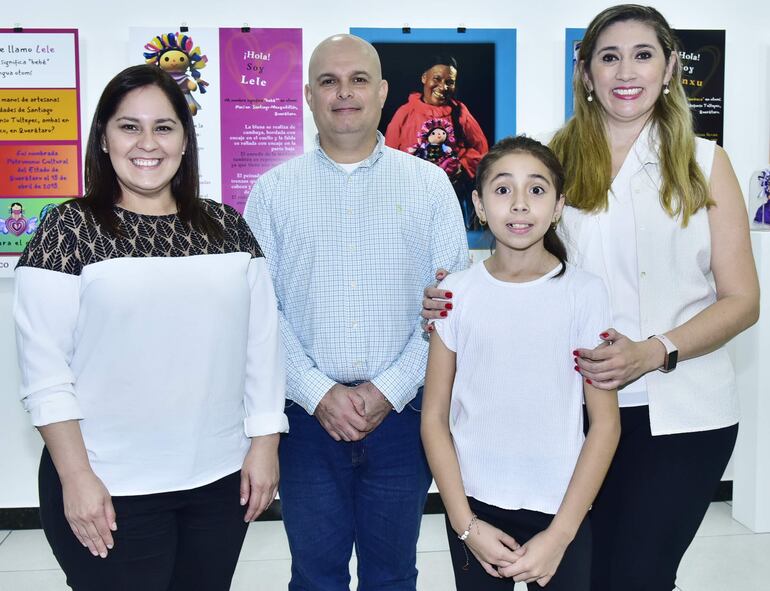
(672, 353)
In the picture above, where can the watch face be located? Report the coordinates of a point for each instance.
(671, 360)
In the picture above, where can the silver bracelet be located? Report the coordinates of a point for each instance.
(467, 532)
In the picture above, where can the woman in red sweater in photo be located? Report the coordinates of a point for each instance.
(463, 143)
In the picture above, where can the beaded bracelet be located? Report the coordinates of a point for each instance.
(467, 532)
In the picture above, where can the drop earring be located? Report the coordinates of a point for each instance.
(666, 91)
(590, 96)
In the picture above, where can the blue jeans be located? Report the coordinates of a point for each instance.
(370, 493)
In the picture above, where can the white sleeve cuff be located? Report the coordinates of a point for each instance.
(266, 424)
(395, 386)
(314, 386)
(52, 406)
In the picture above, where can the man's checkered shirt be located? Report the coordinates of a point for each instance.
(350, 255)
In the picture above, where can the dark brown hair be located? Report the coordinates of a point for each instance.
(522, 144)
(102, 187)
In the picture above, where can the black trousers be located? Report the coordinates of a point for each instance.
(652, 502)
(172, 541)
(573, 573)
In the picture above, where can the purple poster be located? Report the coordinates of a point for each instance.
(260, 105)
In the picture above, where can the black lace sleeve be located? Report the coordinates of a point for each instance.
(54, 246)
(238, 230)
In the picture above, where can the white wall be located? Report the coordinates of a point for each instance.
(540, 98)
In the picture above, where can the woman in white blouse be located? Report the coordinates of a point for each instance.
(150, 358)
(658, 214)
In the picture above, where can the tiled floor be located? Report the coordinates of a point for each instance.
(724, 556)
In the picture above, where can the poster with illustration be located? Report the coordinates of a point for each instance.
(702, 61)
(244, 89)
(40, 144)
(452, 94)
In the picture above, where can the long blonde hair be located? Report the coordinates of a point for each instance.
(582, 144)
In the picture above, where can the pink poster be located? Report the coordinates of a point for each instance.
(260, 105)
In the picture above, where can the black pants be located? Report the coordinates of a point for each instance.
(652, 502)
(573, 573)
(170, 541)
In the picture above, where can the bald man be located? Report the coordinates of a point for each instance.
(351, 232)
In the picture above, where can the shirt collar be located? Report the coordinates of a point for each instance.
(369, 161)
(646, 145)
(643, 152)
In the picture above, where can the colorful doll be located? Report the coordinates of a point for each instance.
(174, 53)
(435, 142)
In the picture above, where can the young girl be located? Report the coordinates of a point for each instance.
(502, 419)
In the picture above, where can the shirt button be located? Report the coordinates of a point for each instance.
(642, 274)
(352, 248)
(356, 364)
(349, 211)
(353, 284)
(354, 324)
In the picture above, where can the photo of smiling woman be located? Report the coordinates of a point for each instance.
(436, 126)
(150, 358)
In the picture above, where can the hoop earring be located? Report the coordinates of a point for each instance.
(482, 221)
(590, 97)
(666, 91)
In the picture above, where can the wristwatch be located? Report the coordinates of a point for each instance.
(672, 353)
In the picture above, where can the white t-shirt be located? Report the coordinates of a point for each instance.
(350, 167)
(516, 412)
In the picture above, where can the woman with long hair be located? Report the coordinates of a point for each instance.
(150, 358)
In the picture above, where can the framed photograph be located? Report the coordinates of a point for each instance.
(452, 94)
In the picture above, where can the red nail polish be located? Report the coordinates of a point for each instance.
(588, 381)
(577, 368)
(443, 314)
(576, 353)
(448, 305)
(604, 335)
(448, 294)
(430, 328)
(575, 360)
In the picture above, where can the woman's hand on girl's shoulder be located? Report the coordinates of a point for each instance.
(544, 552)
(492, 547)
(436, 302)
